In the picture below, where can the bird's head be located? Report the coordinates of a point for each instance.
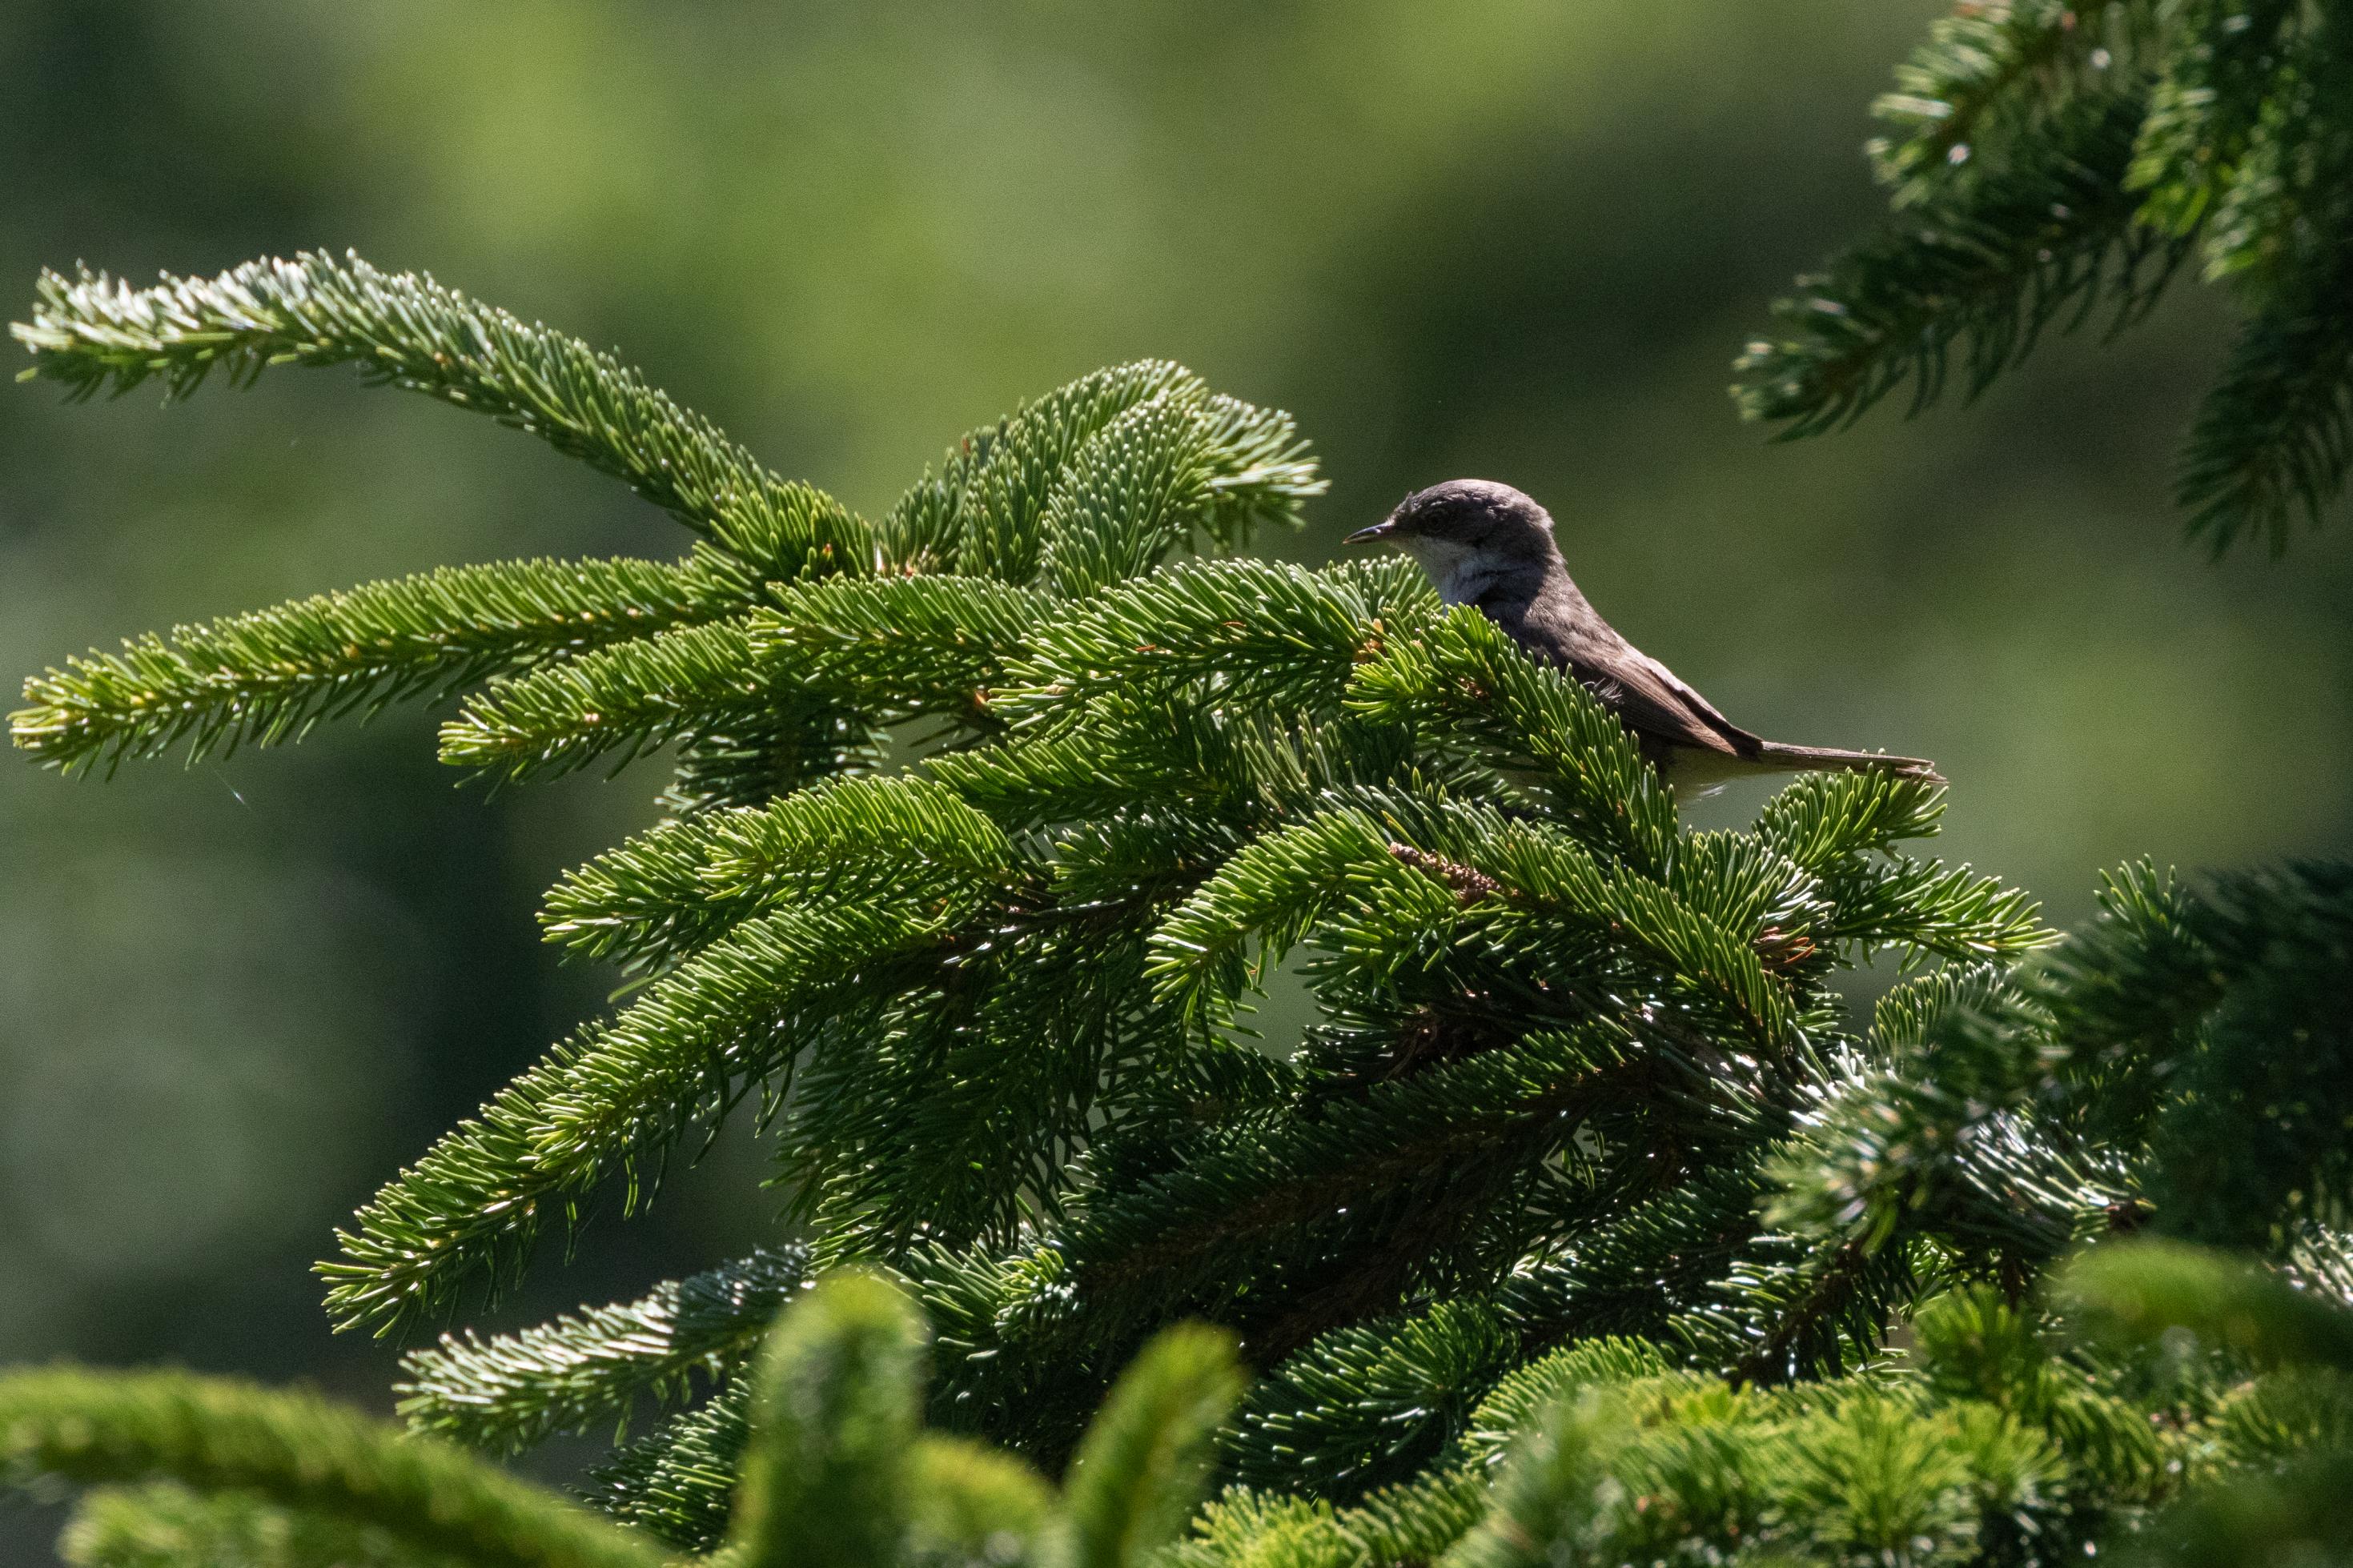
(1463, 523)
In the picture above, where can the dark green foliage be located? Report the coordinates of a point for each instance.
(2050, 159)
(296, 1452)
(987, 823)
(1139, 1474)
(510, 1392)
(834, 1409)
(837, 1467)
(165, 1525)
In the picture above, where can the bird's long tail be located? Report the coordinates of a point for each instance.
(1830, 759)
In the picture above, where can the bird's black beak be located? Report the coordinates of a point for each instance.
(1380, 530)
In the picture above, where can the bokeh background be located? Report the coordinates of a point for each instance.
(1519, 238)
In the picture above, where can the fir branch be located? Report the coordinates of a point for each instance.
(163, 1525)
(267, 677)
(742, 762)
(834, 1419)
(1371, 1403)
(2283, 213)
(2205, 104)
(1545, 1500)
(1268, 634)
(1001, 511)
(632, 697)
(1821, 819)
(677, 1482)
(922, 533)
(2046, 237)
(1987, 74)
(1179, 469)
(678, 887)
(1262, 473)
(95, 333)
(1206, 762)
(643, 904)
(1927, 907)
(298, 1452)
(512, 1391)
(2135, 988)
(1944, 1142)
(2280, 943)
(736, 1014)
(1128, 497)
(1458, 1132)
(901, 644)
(1144, 1462)
(1243, 1529)
(1272, 893)
(2274, 436)
(1554, 882)
(1903, 1019)
(959, 1120)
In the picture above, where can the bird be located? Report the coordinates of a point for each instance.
(1491, 546)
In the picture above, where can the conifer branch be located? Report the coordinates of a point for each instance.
(1270, 635)
(1929, 908)
(732, 1017)
(2043, 239)
(2274, 436)
(1371, 1401)
(298, 1452)
(1987, 74)
(1002, 508)
(958, 1129)
(1823, 819)
(632, 698)
(2213, 978)
(1469, 1125)
(1205, 763)
(267, 677)
(95, 333)
(643, 904)
(1262, 473)
(2206, 102)
(1128, 497)
(834, 1420)
(1273, 892)
(165, 1525)
(673, 890)
(677, 1482)
(1140, 1470)
(511, 1392)
(901, 645)
(743, 760)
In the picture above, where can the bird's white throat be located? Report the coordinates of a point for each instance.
(1460, 572)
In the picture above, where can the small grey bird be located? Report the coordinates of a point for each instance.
(1487, 544)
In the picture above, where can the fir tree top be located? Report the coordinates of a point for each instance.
(986, 818)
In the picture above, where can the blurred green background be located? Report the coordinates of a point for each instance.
(1515, 240)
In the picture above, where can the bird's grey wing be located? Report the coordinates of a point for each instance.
(1647, 696)
(1650, 698)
